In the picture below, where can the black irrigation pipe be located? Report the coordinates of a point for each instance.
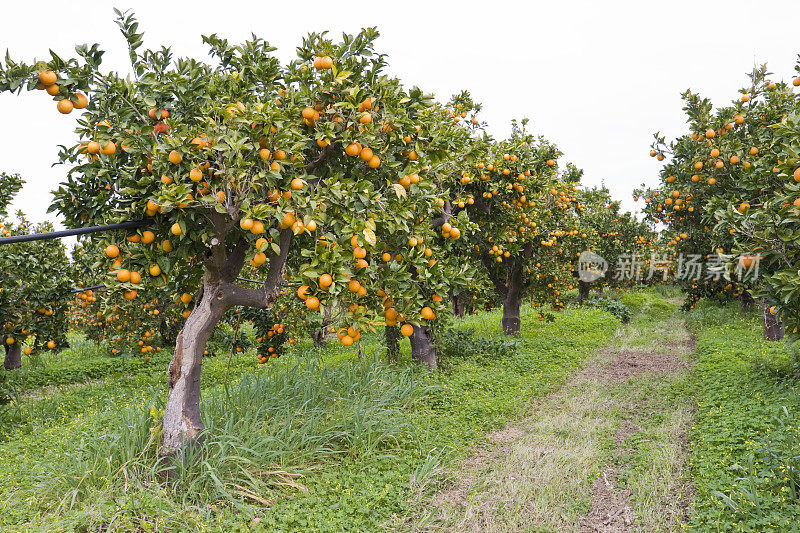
(72, 232)
(73, 291)
(103, 286)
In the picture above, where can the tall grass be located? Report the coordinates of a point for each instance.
(263, 433)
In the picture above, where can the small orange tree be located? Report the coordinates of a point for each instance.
(616, 236)
(246, 159)
(35, 280)
(523, 208)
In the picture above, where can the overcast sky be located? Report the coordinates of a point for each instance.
(598, 78)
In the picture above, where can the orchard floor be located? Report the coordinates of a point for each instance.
(669, 422)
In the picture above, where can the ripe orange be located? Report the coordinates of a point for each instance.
(175, 157)
(124, 275)
(82, 102)
(407, 330)
(374, 162)
(352, 149)
(297, 184)
(148, 237)
(186, 298)
(260, 258)
(51, 344)
(112, 251)
(347, 340)
(155, 270)
(312, 303)
(129, 295)
(135, 277)
(427, 313)
(64, 106)
(302, 292)
(195, 175)
(325, 281)
(47, 77)
(176, 229)
(109, 149)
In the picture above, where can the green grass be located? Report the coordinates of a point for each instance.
(743, 384)
(326, 441)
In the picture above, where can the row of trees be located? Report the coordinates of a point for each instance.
(730, 193)
(322, 178)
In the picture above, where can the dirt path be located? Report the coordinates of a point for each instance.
(606, 452)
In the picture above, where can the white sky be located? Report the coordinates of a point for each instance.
(596, 77)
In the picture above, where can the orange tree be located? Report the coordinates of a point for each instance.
(35, 281)
(523, 208)
(614, 235)
(246, 159)
(735, 176)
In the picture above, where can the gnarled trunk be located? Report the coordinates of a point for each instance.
(13, 358)
(182, 422)
(773, 330)
(746, 302)
(422, 349)
(392, 335)
(511, 317)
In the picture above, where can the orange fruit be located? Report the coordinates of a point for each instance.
(195, 175)
(352, 149)
(124, 275)
(148, 237)
(129, 295)
(109, 149)
(51, 344)
(176, 229)
(302, 292)
(347, 340)
(155, 270)
(82, 102)
(64, 106)
(135, 277)
(297, 184)
(186, 298)
(407, 330)
(325, 281)
(112, 251)
(312, 303)
(175, 157)
(47, 77)
(52, 90)
(427, 313)
(246, 224)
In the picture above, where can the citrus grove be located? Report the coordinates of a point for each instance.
(352, 202)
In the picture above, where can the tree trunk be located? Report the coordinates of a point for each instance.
(322, 335)
(746, 302)
(773, 330)
(458, 305)
(13, 358)
(422, 349)
(583, 291)
(392, 334)
(511, 317)
(182, 423)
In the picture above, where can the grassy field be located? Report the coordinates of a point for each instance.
(746, 439)
(327, 441)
